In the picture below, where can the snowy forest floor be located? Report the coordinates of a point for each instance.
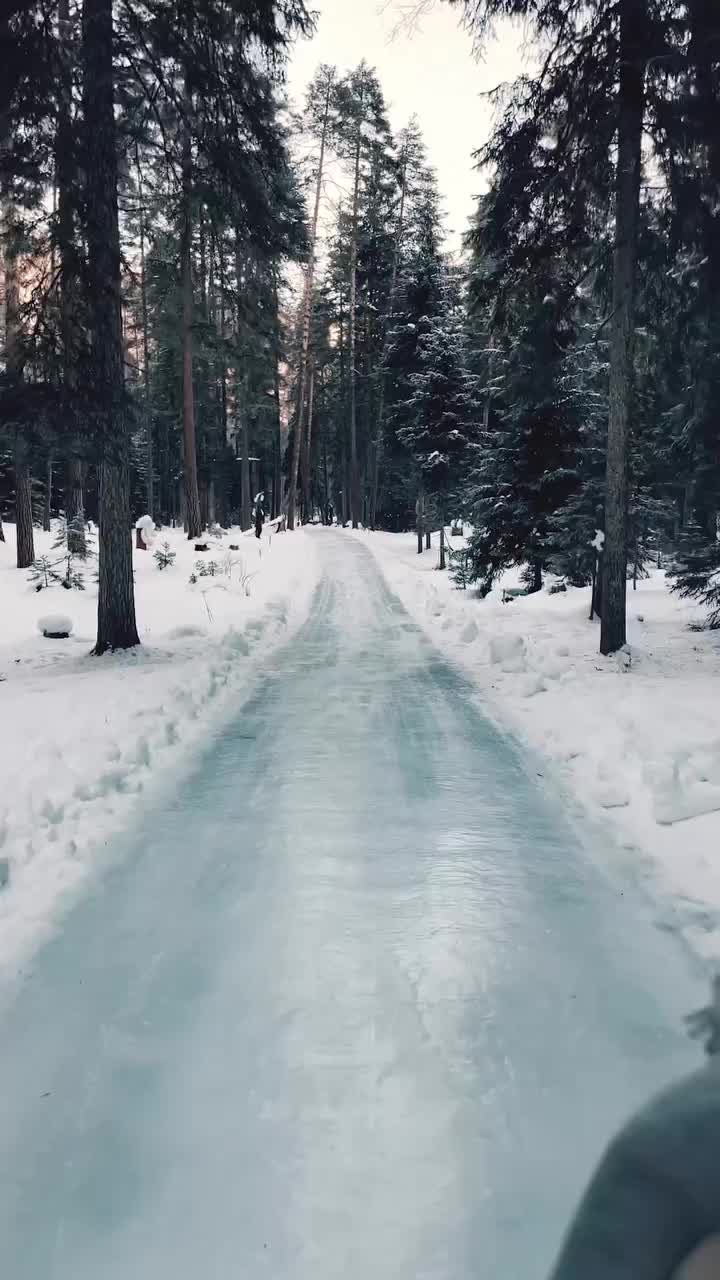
(633, 740)
(83, 736)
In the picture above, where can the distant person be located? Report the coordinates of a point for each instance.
(329, 513)
(259, 514)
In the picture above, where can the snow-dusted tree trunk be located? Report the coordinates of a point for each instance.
(25, 547)
(67, 178)
(245, 495)
(379, 434)
(633, 32)
(192, 494)
(307, 460)
(149, 460)
(47, 504)
(307, 304)
(277, 484)
(352, 325)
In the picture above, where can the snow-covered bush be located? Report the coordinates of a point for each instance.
(56, 626)
(146, 530)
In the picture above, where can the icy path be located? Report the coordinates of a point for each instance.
(352, 1006)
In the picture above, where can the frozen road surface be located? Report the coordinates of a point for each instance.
(353, 1003)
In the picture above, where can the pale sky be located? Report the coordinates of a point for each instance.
(430, 73)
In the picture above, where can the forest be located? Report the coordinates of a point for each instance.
(210, 292)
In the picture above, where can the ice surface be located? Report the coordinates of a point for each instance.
(353, 1003)
(83, 736)
(632, 739)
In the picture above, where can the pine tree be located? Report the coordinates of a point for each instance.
(320, 122)
(418, 296)
(116, 602)
(363, 134)
(598, 58)
(442, 408)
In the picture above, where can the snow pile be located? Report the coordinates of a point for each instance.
(84, 737)
(55, 625)
(633, 739)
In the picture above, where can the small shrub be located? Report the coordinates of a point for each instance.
(460, 564)
(164, 557)
(43, 573)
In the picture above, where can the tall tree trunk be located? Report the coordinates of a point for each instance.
(47, 504)
(278, 448)
(76, 508)
(345, 492)
(192, 495)
(307, 316)
(25, 547)
(307, 463)
(352, 324)
(245, 495)
(633, 40)
(149, 460)
(66, 176)
(277, 486)
(379, 432)
(242, 402)
(23, 508)
(116, 596)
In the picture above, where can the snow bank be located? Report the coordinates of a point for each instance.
(84, 737)
(634, 740)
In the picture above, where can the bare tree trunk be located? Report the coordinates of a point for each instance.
(76, 508)
(420, 514)
(192, 495)
(277, 494)
(307, 317)
(116, 596)
(23, 509)
(25, 547)
(149, 460)
(345, 495)
(352, 322)
(379, 436)
(633, 35)
(307, 466)
(245, 495)
(67, 179)
(47, 504)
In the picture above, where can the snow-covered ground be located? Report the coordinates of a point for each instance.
(82, 736)
(634, 740)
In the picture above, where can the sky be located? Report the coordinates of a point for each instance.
(429, 72)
